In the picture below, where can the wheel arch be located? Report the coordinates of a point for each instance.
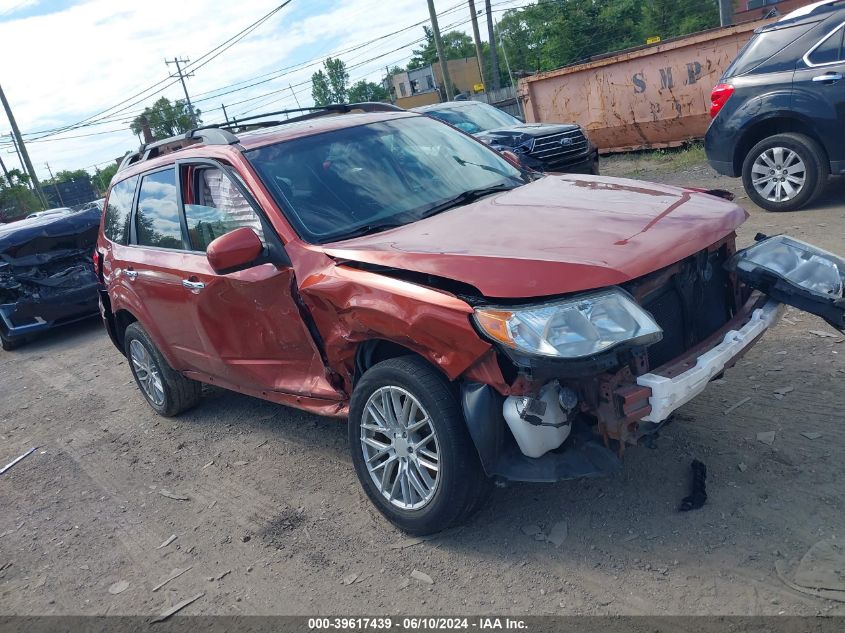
(375, 350)
(770, 126)
(123, 318)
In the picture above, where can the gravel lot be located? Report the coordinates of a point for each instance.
(275, 521)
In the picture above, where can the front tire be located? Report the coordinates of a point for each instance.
(167, 391)
(785, 172)
(411, 448)
(9, 344)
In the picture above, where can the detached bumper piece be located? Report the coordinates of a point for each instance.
(796, 273)
(669, 393)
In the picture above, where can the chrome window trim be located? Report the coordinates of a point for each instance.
(806, 57)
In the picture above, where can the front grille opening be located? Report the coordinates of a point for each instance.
(692, 304)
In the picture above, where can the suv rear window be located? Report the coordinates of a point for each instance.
(116, 223)
(158, 211)
(766, 45)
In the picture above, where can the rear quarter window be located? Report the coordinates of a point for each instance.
(116, 222)
(765, 45)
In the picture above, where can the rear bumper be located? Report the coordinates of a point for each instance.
(670, 392)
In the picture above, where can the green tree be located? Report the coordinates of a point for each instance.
(166, 119)
(367, 91)
(69, 175)
(548, 35)
(103, 177)
(330, 84)
(16, 200)
(456, 45)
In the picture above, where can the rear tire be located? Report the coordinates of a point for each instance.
(167, 391)
(785, 172)
(396, 405)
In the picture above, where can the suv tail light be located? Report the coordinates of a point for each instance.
(719, 97)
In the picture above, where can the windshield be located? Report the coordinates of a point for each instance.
(475, 118)
(371, 177)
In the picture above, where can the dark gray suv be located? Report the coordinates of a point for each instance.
(779, 109)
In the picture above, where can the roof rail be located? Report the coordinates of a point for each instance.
(210, 135)
(311, 113)
(221, 134)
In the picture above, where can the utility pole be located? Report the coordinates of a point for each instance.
(22, 148)
(225, 116)
(17, 151)
(55, 185)
(513, 85)
(388, 84)
(444, 63)
(5, 171)
(726, 12)
(20, 160)
(494, 54)
(182, 76)
(295, 98)
(477, 37)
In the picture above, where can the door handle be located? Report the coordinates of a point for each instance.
(831, 77)
(132, 275)
(194, 286)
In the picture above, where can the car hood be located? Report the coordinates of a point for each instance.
(559, 234)
(521, 133)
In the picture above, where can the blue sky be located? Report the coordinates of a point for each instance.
(88, 55)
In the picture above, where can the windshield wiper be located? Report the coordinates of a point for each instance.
(370, 228)
(465, 198)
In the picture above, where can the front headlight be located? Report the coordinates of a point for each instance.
(802, 264)
(574, 328)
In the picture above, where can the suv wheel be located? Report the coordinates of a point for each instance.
(785, 172)
(168, 392)
(411, 448)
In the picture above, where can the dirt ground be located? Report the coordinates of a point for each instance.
(276, 523)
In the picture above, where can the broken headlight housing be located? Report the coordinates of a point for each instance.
(574, 328)
(801, 264)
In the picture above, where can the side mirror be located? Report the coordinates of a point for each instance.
(234, 250)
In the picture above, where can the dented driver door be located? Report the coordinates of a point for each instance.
(249, 320)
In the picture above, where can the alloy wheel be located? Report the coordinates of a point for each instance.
(400, 448)
(147, 372)
(778, 174)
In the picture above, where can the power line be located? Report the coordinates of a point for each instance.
(198, 63)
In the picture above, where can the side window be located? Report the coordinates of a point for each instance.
(158, 211)
(116, 223)
(220, 207)
(830, 50)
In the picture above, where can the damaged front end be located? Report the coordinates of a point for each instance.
(575, 403)
(571, 417)
(47, 276)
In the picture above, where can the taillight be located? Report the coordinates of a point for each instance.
(719, 97)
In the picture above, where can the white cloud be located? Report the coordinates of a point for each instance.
(93, 55)
(13, 6)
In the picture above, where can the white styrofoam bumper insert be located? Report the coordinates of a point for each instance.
(667, 394)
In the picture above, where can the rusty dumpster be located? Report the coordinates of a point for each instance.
(652, 96)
